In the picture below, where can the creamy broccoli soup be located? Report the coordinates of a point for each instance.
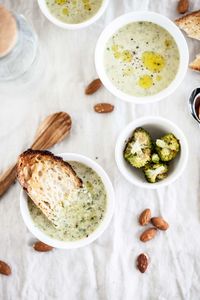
(141, 59)
(73, 11)
(82, 212)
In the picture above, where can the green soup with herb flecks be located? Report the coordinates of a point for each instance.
(82, 212)
(73, 11)
(141, 59)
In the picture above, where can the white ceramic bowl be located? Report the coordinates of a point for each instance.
(120, 22)
(55, 21)
(100, 229)
(157, 127)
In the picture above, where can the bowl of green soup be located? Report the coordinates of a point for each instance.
(73, 14)
(86, 213)
(141, 57)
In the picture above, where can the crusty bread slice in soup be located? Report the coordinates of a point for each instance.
(48, 180)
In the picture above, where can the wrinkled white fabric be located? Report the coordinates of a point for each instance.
(105, 270)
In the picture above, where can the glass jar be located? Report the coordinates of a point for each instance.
(20, 64)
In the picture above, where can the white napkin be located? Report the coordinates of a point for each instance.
(106, 269)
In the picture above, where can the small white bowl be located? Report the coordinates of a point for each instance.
(155, 18)
(157, 127)
(94, 235)
(57, 22)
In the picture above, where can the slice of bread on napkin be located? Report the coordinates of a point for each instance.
(190, 23)
(48, 181)
(195, 64)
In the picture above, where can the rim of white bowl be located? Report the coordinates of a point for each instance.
(126, 133)
(155, 18)
(57, 22)
(100, 229)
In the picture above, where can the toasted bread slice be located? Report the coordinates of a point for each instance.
(195, 64)
(48, 180)
(190, 23)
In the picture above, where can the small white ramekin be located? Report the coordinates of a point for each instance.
(157, 127)
(55, 21)
(100, 229)
(123, 20)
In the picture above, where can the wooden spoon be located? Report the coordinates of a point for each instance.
(52, 130)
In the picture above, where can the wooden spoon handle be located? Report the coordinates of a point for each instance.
(52, 130)
(7, 178)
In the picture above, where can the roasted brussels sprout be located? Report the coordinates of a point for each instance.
(167, 147)
(155, 158)
(138, 150)
(155, 172)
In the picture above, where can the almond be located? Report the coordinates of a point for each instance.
(4, 268)
(93, 87)
(160, 223)
(103, 108)
(148, 234)
(183, 6)
(42, 247)
(145, 217)
(142, 262)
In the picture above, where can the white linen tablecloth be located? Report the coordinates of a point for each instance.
(105, 270)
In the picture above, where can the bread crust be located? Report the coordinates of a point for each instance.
(190, 23)
(187, 16)
(195, 65)
(48, 180)
(26, 157)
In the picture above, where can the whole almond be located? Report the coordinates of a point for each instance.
(93, 87)
(142, 262)
(103, 108)
(148, 234)
(183, 6)
(4, 268)
(42, 247)
(160, 223)
(145, 217)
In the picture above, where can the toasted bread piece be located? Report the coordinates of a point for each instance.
(48, 180)
(190, 23)
(195, 64)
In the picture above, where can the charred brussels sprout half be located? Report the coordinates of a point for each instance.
(167, 147)
(155, 172)
(138, 150)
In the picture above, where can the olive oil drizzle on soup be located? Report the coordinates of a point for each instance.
(141, 59)
(83, 211)
(73, 11)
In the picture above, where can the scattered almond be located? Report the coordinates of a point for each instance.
(183, 6)
(42, 247)
(103, 108)
(160, 223)
(142, 262)
(93, 87)
(4, 268)
(148, 234)
(145, 217)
